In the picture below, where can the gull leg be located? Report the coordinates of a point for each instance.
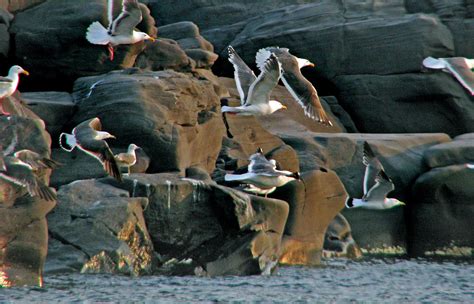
(111, 52)
(128, 169)
(2, 111)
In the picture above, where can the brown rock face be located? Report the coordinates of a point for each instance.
(338, 240)
(97, 228)
(172, 116)
(441, 218)
(314, 202)
(24, 232)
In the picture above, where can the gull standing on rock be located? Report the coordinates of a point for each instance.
(299, 87)
(19, 173)
(127, 159)
(255, 91)
(459, 67)
(262, 173)
(121, 29)
(88, 137)
(374, 197)
(9, 84)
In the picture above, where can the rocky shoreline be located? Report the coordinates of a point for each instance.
(174, 214)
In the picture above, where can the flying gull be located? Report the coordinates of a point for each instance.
(262, 173)
(127, 159)
(35, 160)
(376, 196)
(88, 137)
(9, 84)
(460, 67)
(19, 173)
(299, 87)
(255, 91)
(121, 29)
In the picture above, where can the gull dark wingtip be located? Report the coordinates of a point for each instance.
(349, 202)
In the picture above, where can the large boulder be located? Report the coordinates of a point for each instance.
(97, 228)
(50, 41)
(402, 158)
(23, 233)
(407, 103)
(458, 151)
(172, 116)
(314, 201)
(440, 220)
(213, 230)
(338, 240)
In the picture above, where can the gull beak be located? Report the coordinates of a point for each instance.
(312, 65)
(152, 39)
(26, 72)
(284, 107)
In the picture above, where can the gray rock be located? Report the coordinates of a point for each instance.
(101, 230)
(440, 221)
(54, 108)
(50, 41)
(407, 103)
(172, 116)
(452, 153)
(199, 226)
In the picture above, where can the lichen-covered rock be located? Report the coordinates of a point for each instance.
(98, 228)
(172, 116)
(441, 217)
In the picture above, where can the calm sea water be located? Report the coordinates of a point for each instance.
(372, 280)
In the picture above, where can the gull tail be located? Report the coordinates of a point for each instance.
(97, 34)
(67, 142)
(226, 109)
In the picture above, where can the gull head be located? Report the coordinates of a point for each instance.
(103, 135)
(276, 105)
(16, 69)
(133, 147)
(145, 36)
(304, 62)
(393, 202)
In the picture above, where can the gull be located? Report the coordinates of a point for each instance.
(35, 160)
(89, 137)
(376, 196)
(470, 166)
(255, 91)
(19, 173)
(459, 67)
(299, 87)
(262, 173)
(127, 159)
(9, 84)
(121, 29)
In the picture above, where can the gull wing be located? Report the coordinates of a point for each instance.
(372, 166)
(243, 75)
(383, 186)
(128, 19)
(266, 81)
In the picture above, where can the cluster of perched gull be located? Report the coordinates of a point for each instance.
(21, 167)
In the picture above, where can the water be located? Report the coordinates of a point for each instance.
(373, 280)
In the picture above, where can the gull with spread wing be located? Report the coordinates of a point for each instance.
(121, 30)
(461, 68)
(89, 137)
(299, 87)
(374, 197)
(255, 91)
